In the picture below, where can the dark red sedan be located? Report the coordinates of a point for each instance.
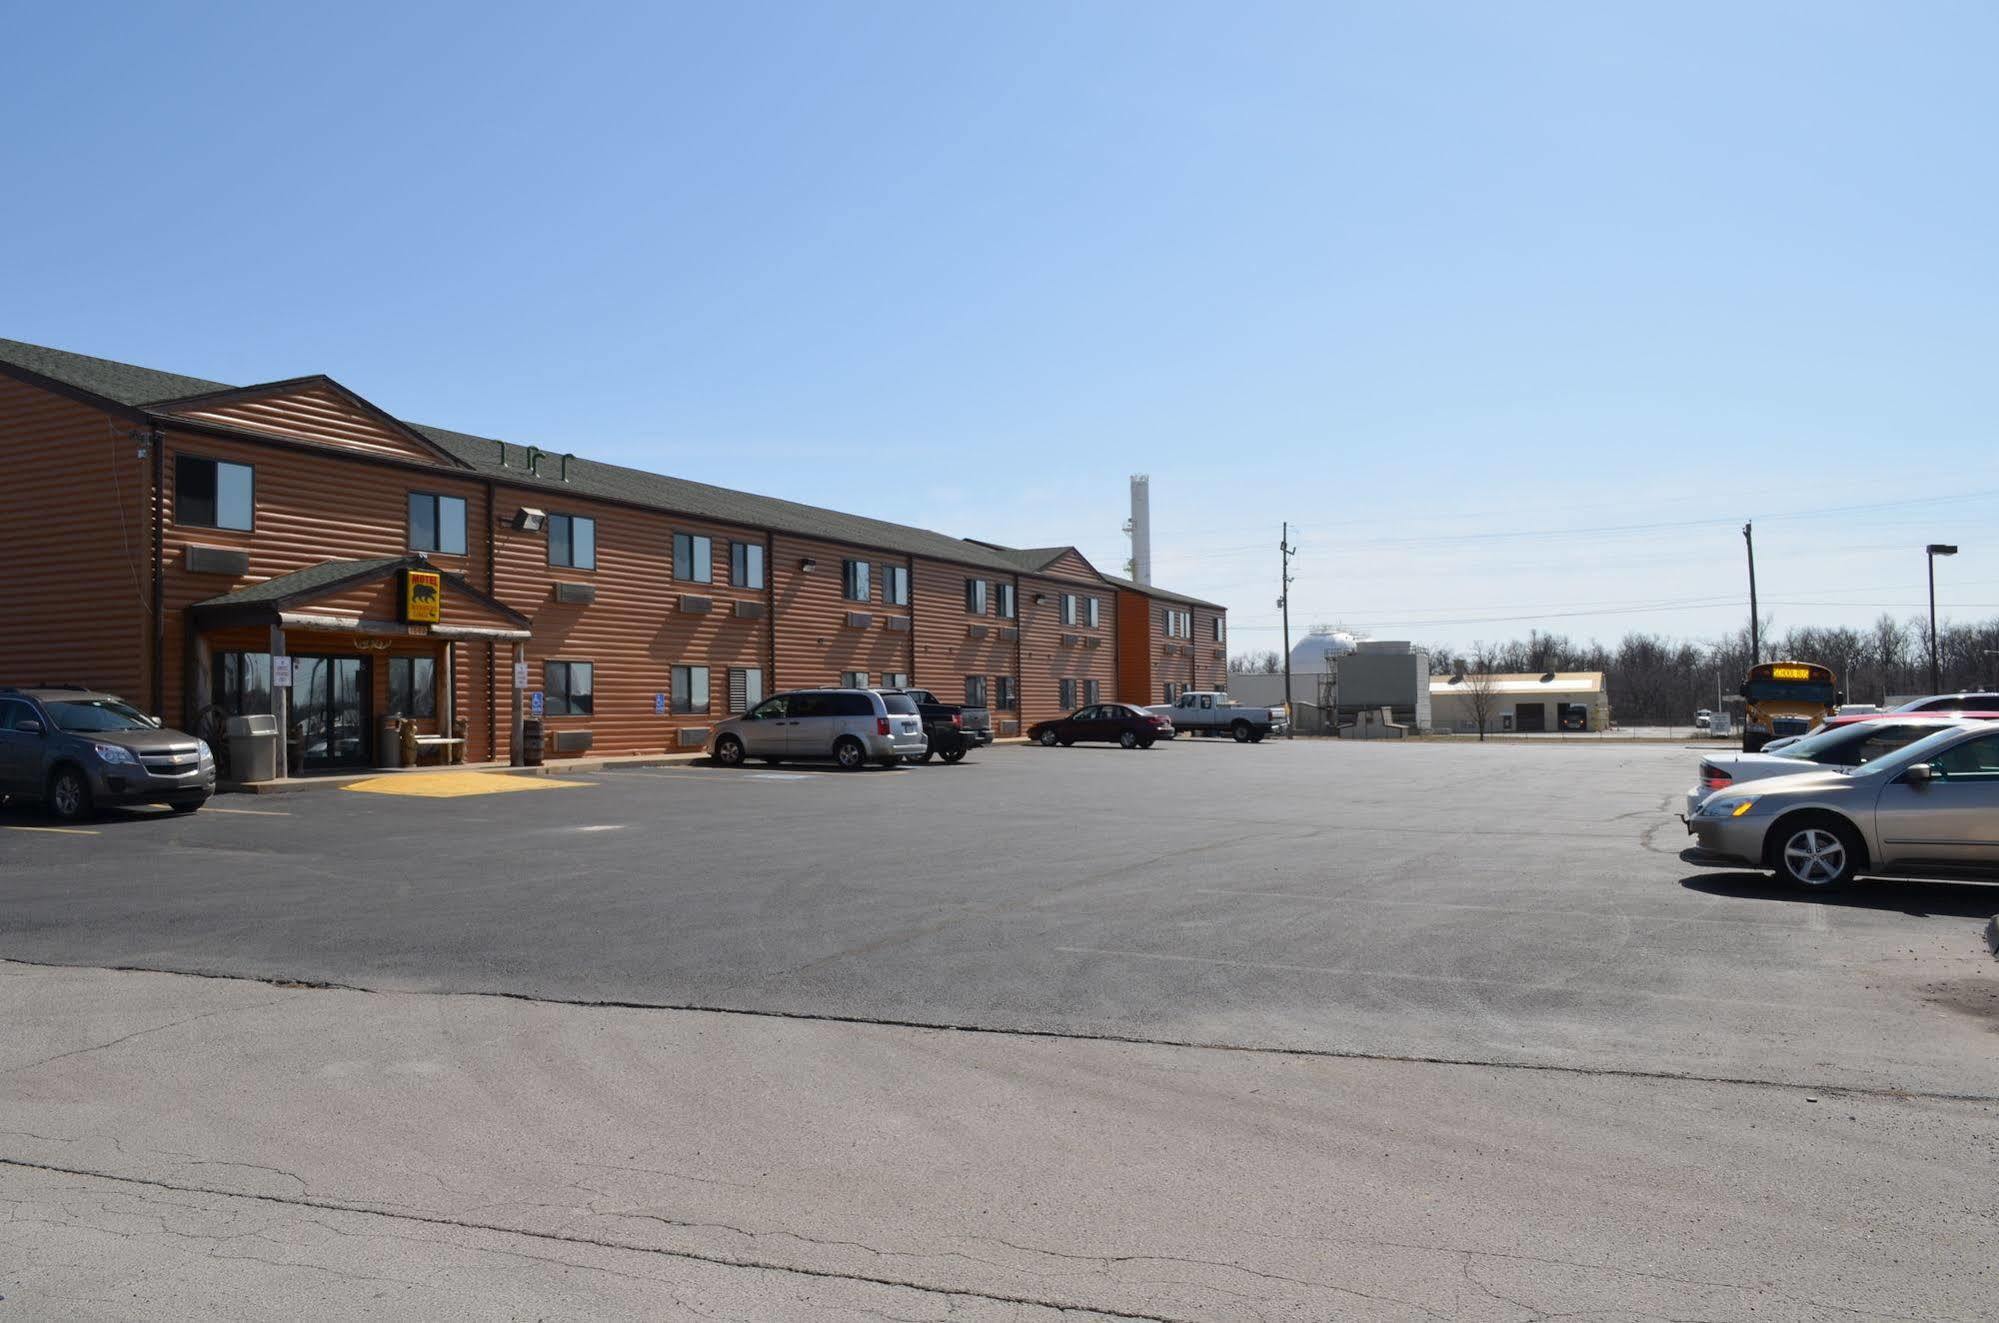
(1108, 723)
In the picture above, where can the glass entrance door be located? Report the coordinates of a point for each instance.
(329, 713)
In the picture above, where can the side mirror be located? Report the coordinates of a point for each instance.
(28, 726)
(1920, 774)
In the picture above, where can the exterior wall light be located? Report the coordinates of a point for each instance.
(807, 565)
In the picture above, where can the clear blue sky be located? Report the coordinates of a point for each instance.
(1410, 276)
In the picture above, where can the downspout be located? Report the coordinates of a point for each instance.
(159, 649)
(770, 608)
(492, 591)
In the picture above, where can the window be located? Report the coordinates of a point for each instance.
(901, 704)
(1068, 608)
(412, 687)
(212, 494)
(1008, 694)
(691, 558)
(1973, 760)
(242, 682)
(572, 541)
(13, 712)
(975, 691)
(1007, 609)
(895, 680)
(1179, 624)
(975, 596)
(1067, 698)
(437, 523)
(853, 679)
(1093, 691)
(690, 687)
(1173, 691)
(746, 564)
(569, 690)
(895, 585)
(1091, 602)
(746, 685)
(771, 711)
(1217, 623)
(854, 580)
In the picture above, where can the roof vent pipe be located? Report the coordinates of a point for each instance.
(503, 452)
(565, 466)
(534, 460)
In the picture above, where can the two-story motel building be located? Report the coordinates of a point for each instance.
(164, 537)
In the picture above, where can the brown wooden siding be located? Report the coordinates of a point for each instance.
(1137, 650)
(311, 508)
(1046, 660)
(314, 412)
(815, 642)
(947, 647)
(636, 630)
(1210, 663)
(76, 589)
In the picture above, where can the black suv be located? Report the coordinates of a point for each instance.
(74, 749)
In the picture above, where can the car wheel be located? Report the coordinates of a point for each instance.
(1049, 739)
(69, 795)
(850, 755)
(953, 756)
(1128, 739)
(1819, 854)
(729, 751)
(1241, 731)
(927, 755)
(1145, 744)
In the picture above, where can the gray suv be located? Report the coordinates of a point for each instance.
(853, 727)
(74, 749)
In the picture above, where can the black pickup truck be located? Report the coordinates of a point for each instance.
(954, 730)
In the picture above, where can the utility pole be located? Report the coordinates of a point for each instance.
(1755, 625)
(1285, 548)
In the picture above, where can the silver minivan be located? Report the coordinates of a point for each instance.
(853, 727)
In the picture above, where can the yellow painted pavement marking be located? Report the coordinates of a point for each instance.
(62, 831)
(255, 813)
(455, 785)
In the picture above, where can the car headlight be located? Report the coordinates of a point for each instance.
(115, 754)
(207, 754)
(1721, 806)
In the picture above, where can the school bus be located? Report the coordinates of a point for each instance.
(1785, 698)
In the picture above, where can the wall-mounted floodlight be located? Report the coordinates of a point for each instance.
(529, 520)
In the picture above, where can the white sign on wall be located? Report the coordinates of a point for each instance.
(281, 672)
(520, 675)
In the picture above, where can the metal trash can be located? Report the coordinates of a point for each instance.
(531, 738)
(389, 743)
(253, 747)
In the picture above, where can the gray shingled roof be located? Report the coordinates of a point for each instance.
(307, 580)
(138, 387)
(1164, 596)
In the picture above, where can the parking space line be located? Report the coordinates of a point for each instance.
(255, 813)
(61, 831)
(1517, 912)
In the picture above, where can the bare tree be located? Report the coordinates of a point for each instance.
(1256, 663)
(1478, 687)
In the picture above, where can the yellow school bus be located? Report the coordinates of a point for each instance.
(1785, 698)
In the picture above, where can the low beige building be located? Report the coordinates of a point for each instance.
(1549, 701)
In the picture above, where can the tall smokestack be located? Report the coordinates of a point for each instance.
(1141, 528)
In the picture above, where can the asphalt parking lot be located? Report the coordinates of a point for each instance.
(1508, 903)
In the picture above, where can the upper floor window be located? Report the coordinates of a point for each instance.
(692, 558)
(437, 523)
(975, 596)
(1006, 603)
(895, 585)
(211, 493)
(746, 564)
(1217, 622)
(854, 580)
(1069, 608)
(1179, 624)
(1091, 603)
(572, 541)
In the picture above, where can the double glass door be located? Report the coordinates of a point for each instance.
(329, 710)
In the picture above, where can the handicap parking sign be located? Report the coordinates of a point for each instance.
(534, 702)
(659, 705)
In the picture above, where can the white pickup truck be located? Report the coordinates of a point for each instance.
(1211, 712)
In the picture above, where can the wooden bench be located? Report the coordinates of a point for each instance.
(448, 749)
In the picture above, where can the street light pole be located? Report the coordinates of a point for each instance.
(1287, 551)
(1755, 625)
(1931, 552)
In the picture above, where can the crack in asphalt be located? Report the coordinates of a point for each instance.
(1822, 1087)
(598, 1242)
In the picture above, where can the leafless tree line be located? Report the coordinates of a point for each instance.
(1656, 680)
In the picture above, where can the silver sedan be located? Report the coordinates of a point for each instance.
(1930, 807)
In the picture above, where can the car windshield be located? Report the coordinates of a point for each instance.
(1920, 752)
(86, 715)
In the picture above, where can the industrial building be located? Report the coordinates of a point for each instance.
(189, 544)
(1547, 701)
